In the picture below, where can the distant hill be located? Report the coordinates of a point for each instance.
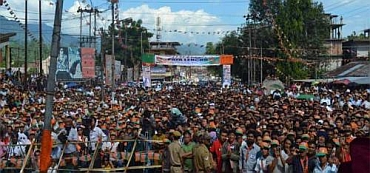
(7, 26)
(191, 49)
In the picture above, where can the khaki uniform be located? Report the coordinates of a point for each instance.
(175, 157)
(202, 159)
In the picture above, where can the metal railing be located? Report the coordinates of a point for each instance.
(145, 156)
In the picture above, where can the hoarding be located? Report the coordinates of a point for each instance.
(75, 64)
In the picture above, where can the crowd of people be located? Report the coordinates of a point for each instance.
(183, 128)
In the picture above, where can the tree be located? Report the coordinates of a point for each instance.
(302, 26)
(210, 48)
(131, 38)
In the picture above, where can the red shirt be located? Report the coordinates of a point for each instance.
(216, 149)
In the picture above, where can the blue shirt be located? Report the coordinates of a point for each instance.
(329, 168)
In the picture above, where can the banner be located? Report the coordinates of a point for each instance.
(147, 81)
(130, 74)
(108, 69)
(88, 62)
(117, 70)
(226, 59)
(69, 66)
(226, 77)
(187, 60)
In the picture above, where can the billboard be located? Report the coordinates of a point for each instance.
(88, 62)
(72, 66)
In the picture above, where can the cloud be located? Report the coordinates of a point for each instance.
(182, 25)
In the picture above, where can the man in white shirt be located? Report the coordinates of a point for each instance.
(16, 148)
(96, 134)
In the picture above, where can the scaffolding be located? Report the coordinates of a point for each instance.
(135, 159)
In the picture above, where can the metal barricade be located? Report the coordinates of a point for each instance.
(144, 159)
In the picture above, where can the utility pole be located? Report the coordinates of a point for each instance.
(46, 143)
(40, 38)
(80, 11)
(102, 51)
(113, 55)
(89, 39)
(25, 44)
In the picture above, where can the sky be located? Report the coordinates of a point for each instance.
(185, 21)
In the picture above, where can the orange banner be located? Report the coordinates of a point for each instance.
(226, 59)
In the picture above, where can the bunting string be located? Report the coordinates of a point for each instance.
(11, 12)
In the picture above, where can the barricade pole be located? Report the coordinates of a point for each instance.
(94, 156)
(132, 152)
(61, 156)
(27, 156)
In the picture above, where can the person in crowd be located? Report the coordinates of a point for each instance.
(323, 164)
(176, 152)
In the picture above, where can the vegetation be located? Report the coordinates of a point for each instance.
(301, 25)
(128, 49)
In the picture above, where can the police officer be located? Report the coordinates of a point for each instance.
(203, 161)
(175, 154)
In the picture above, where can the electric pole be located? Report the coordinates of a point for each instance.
(40, 38)
(25, 44)
(113, 55)
(46, 143)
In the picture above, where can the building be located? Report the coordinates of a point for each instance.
(357, 47)
(5, 49)
(333, 57)
(163, 48)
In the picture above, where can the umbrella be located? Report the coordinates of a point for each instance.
(272, 85)
(315, 82)
(276, 86)
(305, 97)
(343, 81)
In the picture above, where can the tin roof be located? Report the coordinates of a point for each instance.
(352, 69)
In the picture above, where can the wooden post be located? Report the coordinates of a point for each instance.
(27, 156)
(132, 153)
(94, 156)
(61, 156)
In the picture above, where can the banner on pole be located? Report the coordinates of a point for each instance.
(147, 81)
(130, 74)
(108, 69)
(117, 70)
(188, 60)
(226, 79)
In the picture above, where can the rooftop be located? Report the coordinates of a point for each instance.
(352, 69)
(5, 37)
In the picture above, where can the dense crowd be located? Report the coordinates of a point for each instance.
(185, 128)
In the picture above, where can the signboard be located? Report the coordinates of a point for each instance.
(147, 81)
(108, 69)
(88, 62)
(185, 60)
(69, 66)
(226, 77)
